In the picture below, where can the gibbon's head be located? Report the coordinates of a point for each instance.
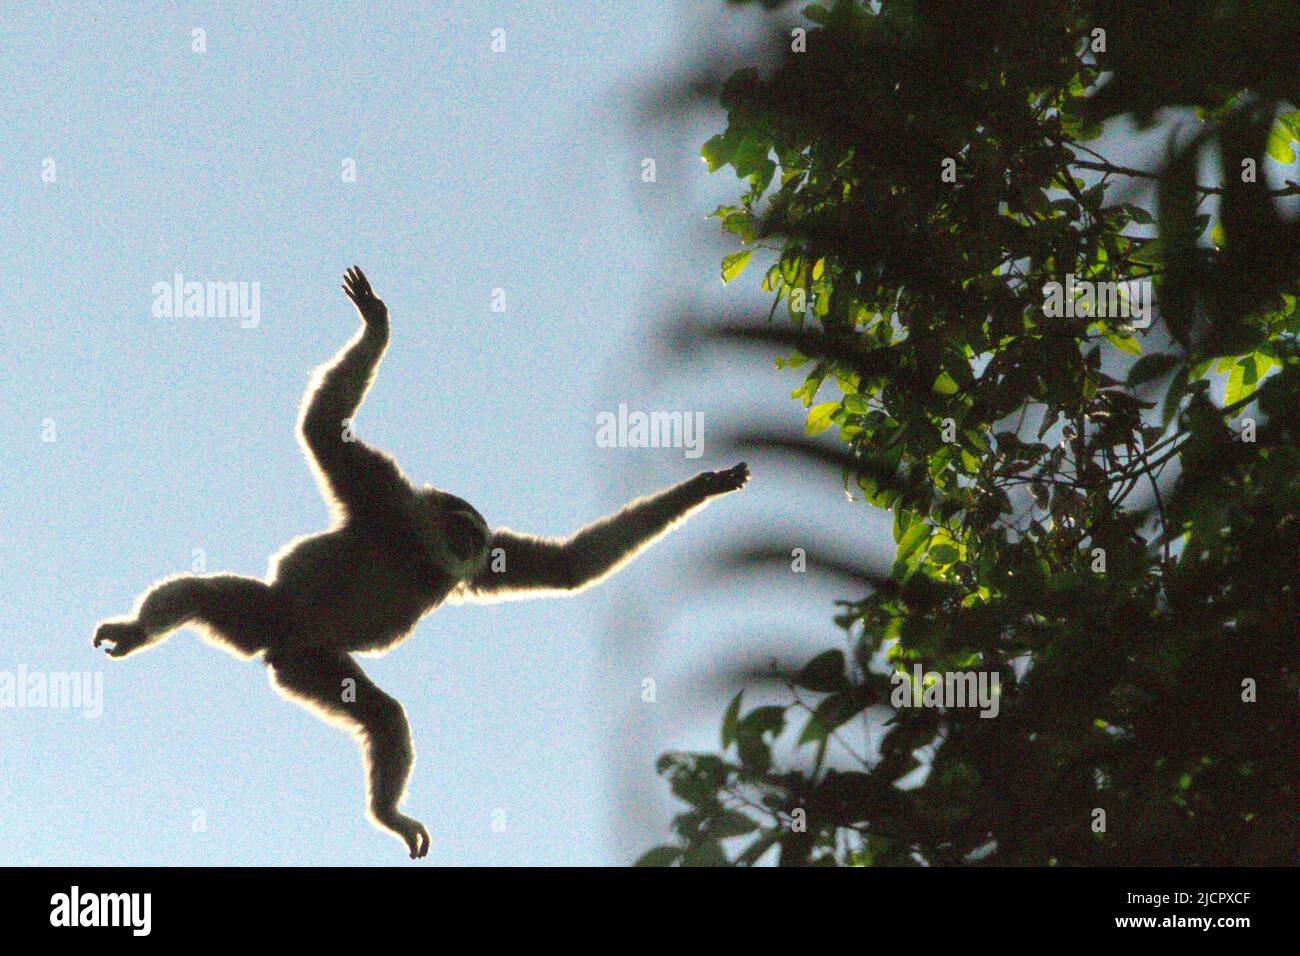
(454, 533)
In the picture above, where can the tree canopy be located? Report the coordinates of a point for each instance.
(1094, 499)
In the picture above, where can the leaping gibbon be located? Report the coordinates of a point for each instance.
(395, 552)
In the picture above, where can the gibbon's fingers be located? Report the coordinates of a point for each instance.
(357, 280)
(361, 297)
(362, 281)
(739, 474)
(732, 479)
(419, 841)
(357, 288)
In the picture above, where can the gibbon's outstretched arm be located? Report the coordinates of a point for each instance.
(526, 566)
(354, 476)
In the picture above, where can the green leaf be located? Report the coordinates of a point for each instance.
(1150, 253)
(750, 732)
(660, 856)
(819, 417)
(817, 13)
(704, 853)
(1279, 144)
(734, 264)
(912, 540)
(729, 720)
(831, 713)
(762, 720)
(1218, 236)
(854, 404)
(1125, 343)
(902, 519)
(754, 753)
(1139, 215)
(750, 158)
(945, 385)
(1151, 367)
(824, 673)
(717, 151)
(1235, 385)
(1242, 380)
(732, 823)
(944, 554)
(1256, 369)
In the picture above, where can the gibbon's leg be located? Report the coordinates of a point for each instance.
(241, 612)
(331, 683)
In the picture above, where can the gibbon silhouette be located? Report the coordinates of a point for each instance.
(394, 553)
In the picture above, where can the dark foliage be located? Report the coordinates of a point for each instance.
(1103, 515)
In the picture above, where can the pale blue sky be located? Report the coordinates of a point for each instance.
(475, 170)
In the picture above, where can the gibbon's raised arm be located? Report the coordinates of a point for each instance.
(527, 566)
(354, 475)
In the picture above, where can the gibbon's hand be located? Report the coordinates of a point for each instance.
(724, 482)
(357, 288)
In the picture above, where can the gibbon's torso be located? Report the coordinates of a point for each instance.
(365, 584)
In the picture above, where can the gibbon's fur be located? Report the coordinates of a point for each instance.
(394, 553)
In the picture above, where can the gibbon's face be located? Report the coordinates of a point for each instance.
(454, 533)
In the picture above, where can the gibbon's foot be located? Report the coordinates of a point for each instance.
(722, 482)
(412, 832)
(122, 637)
